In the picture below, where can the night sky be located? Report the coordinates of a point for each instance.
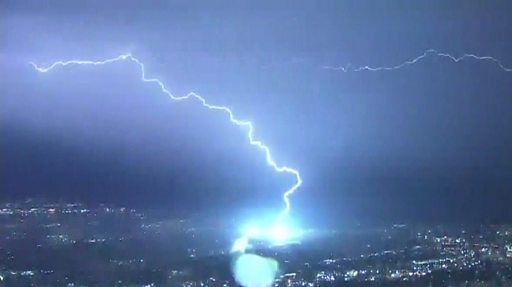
(428, 142)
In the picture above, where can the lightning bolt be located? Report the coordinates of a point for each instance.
(247, 125)
(430, 52)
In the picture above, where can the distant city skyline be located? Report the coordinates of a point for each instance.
(62, 244)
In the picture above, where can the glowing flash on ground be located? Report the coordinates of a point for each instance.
(427, 53)
(275, 234)
(248, 126)
(252, 270)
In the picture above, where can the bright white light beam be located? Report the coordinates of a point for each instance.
(247, 125)
(430, 52)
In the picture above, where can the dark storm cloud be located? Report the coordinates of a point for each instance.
(431, 140)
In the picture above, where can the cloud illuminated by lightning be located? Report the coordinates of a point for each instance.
(427, 53)
(247, 125)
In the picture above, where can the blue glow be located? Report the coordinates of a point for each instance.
(274, 234)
